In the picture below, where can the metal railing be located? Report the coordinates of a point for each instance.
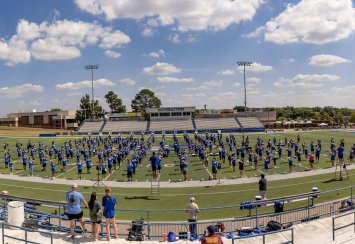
(25, 238)
(334, 229)
(155, 229)
(264, 235)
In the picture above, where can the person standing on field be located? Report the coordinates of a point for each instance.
(262, 186)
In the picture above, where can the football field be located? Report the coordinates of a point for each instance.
(170, 165)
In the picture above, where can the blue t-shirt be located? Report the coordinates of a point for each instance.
(109, 206)
(214, 165)
(73, 200)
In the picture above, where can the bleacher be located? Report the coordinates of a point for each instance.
(250, 122)
(91, 126)
(125, 126)
(171, 125)
(216, 123)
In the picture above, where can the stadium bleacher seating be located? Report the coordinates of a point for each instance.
(250, 122)
(216, 123)
(170, 125)
(91, 126)
(125, 126)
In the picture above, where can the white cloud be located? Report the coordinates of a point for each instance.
(184, 14)
(227, 72)
(158, 54)
(75, 94)
(254, 80)
(325, 60)
(305, 81)
(128, 81)
(213, 83)
(18, 91)
(311, 21)
(167, 79)
(58, 40)
(192, 38)
(161, 69)
(174, 38)
(237, 84)
(112, 54)
(84, 84)
(256, 67)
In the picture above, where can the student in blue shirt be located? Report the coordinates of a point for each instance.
(64, 164)
(73, 210)
(80, 169)
(299, 156)
(44, 164)
(110, 164)
(30, 166)
(88, 165)
(266, 164)
(317, 153)
(24, 161)
(184, 168)
(234, 162)
(214, 165)
(109, 203)
(332, 157)
(129, 171)
(340, 154)
(290, 163)
(103, 170)
(351, 155)
(52, 169)
(11, 167)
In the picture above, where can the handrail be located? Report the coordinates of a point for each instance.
(343, 226)
(26, 231)
(234, 239)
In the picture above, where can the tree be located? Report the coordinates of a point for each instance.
(239, 108)
(55, 109)
(115, 103)
(352, 117)
(144, 99)
(85, 110)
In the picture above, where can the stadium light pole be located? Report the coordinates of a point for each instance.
(92, 67)
(244, 63)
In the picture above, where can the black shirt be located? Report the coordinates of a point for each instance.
(262, 184)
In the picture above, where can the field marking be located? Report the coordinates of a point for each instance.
(66, 171)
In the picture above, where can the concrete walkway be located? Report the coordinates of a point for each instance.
(182, 184)
(317, 231)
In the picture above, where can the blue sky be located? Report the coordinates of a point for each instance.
(185, 51)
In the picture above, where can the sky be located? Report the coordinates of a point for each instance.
(186, 51)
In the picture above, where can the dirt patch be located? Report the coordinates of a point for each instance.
(24, 131)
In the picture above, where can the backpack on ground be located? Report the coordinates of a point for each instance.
(171, 237)
(274, 225)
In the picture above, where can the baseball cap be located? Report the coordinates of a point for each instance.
(211, 229)
(74, 185)
(192, 199)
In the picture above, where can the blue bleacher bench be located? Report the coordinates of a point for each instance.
(47, 135)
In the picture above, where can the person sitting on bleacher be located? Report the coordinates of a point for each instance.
(211, 238)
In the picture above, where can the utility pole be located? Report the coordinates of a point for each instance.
(244, 63)
(92, 67)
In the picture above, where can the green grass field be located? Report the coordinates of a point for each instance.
(171, 171)
(176, 198)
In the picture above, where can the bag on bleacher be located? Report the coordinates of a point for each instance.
(274, 225)
(278, 206)
(171, 237)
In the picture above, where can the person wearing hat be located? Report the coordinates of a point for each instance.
(192, 210)
(73, 210)
(211, 238)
